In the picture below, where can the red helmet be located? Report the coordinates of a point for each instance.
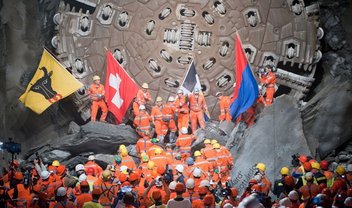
(90, 171)
(303, 158)
(324, 165)
(307, 166)
(234, 192)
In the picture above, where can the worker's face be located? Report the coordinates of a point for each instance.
(97, 81)
(196, 94)
(159, 103)
(179, 95)
(145, 89)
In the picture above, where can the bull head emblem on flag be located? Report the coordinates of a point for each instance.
(43, 87)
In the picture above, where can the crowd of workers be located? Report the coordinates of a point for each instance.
(167, 173)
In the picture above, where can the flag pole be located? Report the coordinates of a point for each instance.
(120, 65)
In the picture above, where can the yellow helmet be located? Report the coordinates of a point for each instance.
(316, 165)
(121, 147)
(216, 146)
(158, 151)
(197, 153)
(145, 158)
(106, 175)
(55, 163)
(261, 166)
(207, 141)
(159, 99)
(150, 165)
(96, 77)
(340, 170)
(214, 141)
(284, 171)
(145, 85)
(124, 152)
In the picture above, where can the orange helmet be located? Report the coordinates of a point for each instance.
(18, 176)
(303, 158)
(307, 166)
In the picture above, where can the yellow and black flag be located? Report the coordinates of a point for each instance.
(51, 83)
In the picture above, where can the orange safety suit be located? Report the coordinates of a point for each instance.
(142, 123)
(203, 164)
(24, 197)
(191, 195)
(143, 144)
(169, 111)
(209, 153)
(184, 143)
(129, 162)
(225, 102)
(135, 108)
(157, 116)
(97, 169)
(198, 107)
(182, 110)
(46, 188)
(160, 160)
(142, 97)
(83, 198)
(109, 191)
(151, 150)
(94, 91)
(169, 153)
(223, 164)
(269, 81)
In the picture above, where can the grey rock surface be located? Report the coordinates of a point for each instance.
(270, 142)
(73, 128)
(211, 131)
(327, 117)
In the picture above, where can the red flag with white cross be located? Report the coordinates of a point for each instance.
(120, 88)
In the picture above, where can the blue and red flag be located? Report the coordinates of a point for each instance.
(246, 89)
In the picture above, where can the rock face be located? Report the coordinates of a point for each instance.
(270, 142)
(327, 117)
(94, 137)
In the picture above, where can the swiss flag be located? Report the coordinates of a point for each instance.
(120, 89)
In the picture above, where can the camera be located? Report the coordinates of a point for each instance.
(11, 147)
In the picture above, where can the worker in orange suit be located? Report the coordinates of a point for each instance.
(202, 163)
(197, 108)
(225, 103)
(208, 151)
(135, 107)
(97, 92)
(159, 159)
(127, 160)
(143, 144)
(184, 142)
(151, 150)
(91, 164)
(85, 196)
(143, 95)
(169, 111)
(182, 110)
(108, 190)
(45, 188)
(157, 117)
(223, 162)
(268, 79)
(23, 197)
(142, 122)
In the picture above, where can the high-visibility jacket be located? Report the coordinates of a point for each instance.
(268, 80)
(181, 105)
(109, 191)
(156, 113)
(95, 90)
(330, 178)
(24, 197)
(135, 107)
(142, 121)
(170, 154)
(160, 160)
(143, 144)
(209, 153)
(91, 180)
(203, 164)
(97, 169)
(191, 195)
(168, 111)
(46, 189)
(223, 160)
(83, 198)
(225, 102)
(129, 162)
(143, 97)
(64, 204)
(197, 103)
(184, 142)
(151, 150)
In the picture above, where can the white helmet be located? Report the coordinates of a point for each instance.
(184, 130)
(44, 174)
(79, 167)
(142, 107)
(190, 183)
(180, 168)
(61, 191)
(123, 168)
(349, 168)
(197, 172)
(91, 157)
(171, 99)
(172, 185)
(285, 202)
(205, 183)
(179, 91)
(293, 195)
(82, 177)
